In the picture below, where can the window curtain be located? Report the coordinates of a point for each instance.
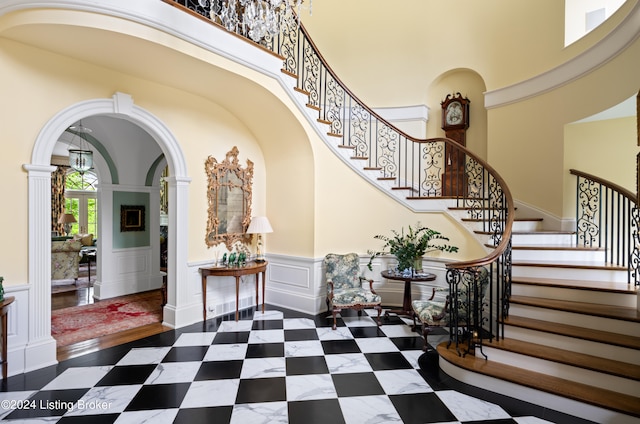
(58, 180)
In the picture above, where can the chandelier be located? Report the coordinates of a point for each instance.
(256, 18)
(80, 159)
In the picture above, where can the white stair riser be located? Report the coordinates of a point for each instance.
(562, 255)
(567, 372)
(558, 341)
(588, 274)
(517, 226)
(575, 295)
(527, 225)
(577, 320)
(543, 240)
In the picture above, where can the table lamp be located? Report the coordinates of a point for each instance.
(259, 225)
(67, 219)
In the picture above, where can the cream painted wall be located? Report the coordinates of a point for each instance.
(605, 148)
(392, 56)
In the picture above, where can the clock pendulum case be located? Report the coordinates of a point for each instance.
(455, 121)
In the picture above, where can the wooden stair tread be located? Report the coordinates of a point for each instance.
(570, 264)
(601, 286)
(570, 247)
(545, 232)
(581, 360)
(583, 333)
(605, 311)
(570, 389)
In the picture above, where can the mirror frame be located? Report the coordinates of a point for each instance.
(216, 173)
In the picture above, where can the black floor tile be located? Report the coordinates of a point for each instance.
(231, 337)
(306, 365)
(265, 350)
(159, 396)
(408, 343)
(357, 384)
(89, 419)
(315, 412)
(387, 361)
(130, 374)
(262, 390)
(218, 370)
(268, 324)
(362, 332)
(340, 346)
(217, 415)
(422, 408)
(299, 335)
(186, 354)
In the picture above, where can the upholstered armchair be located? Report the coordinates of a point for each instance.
(65, 257)
(344, 286)
(435, 312)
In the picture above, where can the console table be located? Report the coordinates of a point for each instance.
(250, 268)
(4, 308)
(406, 300)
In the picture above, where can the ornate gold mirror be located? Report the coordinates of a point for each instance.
(229, 196)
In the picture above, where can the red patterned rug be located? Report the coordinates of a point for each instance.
(80, 323)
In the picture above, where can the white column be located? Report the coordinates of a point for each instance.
(41, 347)
(177, 270)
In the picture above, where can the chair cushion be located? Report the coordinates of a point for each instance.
(343, 270)
(425, 310)
(352, 297)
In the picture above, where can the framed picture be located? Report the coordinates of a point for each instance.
(131, 218)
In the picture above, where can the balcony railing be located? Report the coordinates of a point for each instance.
(607, 217)
(433, 168)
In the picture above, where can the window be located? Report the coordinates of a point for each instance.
(81, 201)
(581, 16)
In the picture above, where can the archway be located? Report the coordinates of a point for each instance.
(41, 347)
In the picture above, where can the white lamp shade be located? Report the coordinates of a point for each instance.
(259, 225)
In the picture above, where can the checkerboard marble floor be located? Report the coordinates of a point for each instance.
(278, 367)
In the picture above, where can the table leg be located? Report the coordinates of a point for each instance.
(204, 297)
(264, 283)
(4, 347)
(257, 299)
(406, 302)
(237, 296)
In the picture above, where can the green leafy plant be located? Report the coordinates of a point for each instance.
(409, 246)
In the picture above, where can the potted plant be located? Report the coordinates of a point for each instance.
(410, 247)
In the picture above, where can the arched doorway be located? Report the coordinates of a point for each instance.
(41, 346)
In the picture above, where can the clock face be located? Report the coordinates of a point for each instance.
(453, 114)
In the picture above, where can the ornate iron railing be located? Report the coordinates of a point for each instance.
(430, 168)
(607, 217)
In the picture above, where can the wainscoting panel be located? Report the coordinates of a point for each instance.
(129, 272)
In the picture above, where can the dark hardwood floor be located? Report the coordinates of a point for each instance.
(84, 296)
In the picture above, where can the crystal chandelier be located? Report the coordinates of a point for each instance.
(256, 18)
(80, 159)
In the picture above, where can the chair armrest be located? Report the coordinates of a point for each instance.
(438, 290)
(370, 283)
(329, 289)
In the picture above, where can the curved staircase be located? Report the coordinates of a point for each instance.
(572, 337)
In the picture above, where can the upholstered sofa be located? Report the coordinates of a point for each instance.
(65, 257)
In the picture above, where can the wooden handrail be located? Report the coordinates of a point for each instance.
(608, 184)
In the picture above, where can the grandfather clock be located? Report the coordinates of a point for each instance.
(455, 121)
